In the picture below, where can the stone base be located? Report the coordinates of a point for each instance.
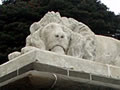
(38, 70)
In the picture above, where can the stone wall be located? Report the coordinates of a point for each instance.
(43, 69)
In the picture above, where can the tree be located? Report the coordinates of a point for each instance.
(16, 16)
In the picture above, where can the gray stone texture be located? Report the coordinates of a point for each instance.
(65, 67)
(67, 36)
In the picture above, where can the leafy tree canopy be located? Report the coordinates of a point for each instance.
(16, 16)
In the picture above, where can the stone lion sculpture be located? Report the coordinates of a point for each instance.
(69, 37)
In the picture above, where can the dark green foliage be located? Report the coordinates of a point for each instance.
(16, 16)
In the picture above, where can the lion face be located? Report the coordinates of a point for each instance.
(54, 36)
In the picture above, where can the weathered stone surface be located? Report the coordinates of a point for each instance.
(35, 80)
(70, 68)
(62, 61)
(17, 63)
(67, 36)
(72, 63)
(114, 72)
(56, 33)
(49, 68)
(107, 50)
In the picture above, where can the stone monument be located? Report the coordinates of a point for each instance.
(67, 36)
(63, 54)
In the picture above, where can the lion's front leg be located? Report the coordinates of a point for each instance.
(89, 49)
(58, 49)
(14, 55)
(28, 49)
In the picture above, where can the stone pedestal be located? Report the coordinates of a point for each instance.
(43, 70)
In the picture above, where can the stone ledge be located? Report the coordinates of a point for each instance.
(45, 61)
(72, 63)
(15, 64)
(37, 79)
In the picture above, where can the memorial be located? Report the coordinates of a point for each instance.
(63, 53)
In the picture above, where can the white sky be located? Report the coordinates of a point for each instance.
(113, 5)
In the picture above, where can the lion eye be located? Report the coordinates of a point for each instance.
(62, 36)
(56, 35)
(49, 49)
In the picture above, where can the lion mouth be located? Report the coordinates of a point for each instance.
(57, 46)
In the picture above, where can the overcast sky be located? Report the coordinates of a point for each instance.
(113, 5)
